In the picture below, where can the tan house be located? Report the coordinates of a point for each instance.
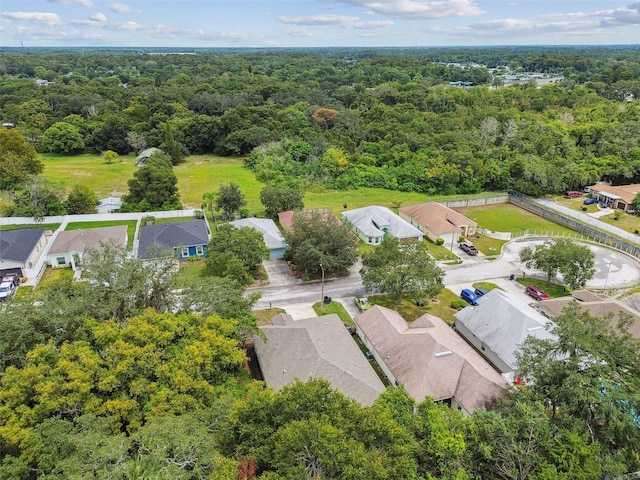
(599, 306)
(70, 245)
(318, 347)
(620, 196)
(438, 221)
(430, 359)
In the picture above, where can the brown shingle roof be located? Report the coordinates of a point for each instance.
(438, 218)
(430, 359)
(319, 347)
(625, 192)
(80, 240)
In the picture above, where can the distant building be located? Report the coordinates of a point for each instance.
(620, 196)
(109, 205)
(146, 155)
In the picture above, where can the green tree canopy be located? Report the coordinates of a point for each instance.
(38, 200)
(230, 199)
(63, 138)
(154, 186)
(81, 199)
(320, 238)
(398, 267)
(18, 159)
(575, 262)
(278, 199)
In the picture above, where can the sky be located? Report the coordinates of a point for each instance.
(316, 23)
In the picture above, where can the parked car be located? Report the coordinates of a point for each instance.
(536, 292)
(362, 303)
(572, 194)
(13, 278)
(6, 290)
(590, 201)
(468, 296)
(469, 247)
(480, 291)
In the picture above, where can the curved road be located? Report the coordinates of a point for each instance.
(613, 269)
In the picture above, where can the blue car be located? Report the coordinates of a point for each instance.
(469, 296)
(590, 201)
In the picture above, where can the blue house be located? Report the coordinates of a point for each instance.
(272, 237)
(185, 239)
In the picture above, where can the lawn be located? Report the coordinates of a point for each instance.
(190, 271)
(47, 226)
(440, 307)
(506, 217)
(131, 227)
(105, 179)
(626, 221)
(334, 307)
(554, 290)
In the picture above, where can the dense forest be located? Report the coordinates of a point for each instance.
(123, 380)
(345, 118)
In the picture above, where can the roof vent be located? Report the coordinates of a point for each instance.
(443, 353)
(533, 329)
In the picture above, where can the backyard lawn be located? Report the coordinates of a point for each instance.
(506, 217)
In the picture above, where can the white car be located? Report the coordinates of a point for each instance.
(6, 290)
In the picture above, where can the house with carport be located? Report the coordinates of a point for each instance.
(436, 220)
(21, 249)
(619, 196)
(273, 239)
(498, 326)
(430, 359)
(317, 347)
(372, 223)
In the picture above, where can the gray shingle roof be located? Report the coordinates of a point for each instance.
(272, 236)
(430, 359)
(365, 219)
(172, 235)
(17, 245)
(317, 347)
(503, 321)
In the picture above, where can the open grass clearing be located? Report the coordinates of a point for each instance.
(487, 285)
(506, 217)
(130, 224)
(488, 246)
(264, 316)
(191, 271)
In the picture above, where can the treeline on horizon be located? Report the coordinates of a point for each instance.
(345, 117)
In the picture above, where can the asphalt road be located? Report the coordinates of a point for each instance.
(613, 269)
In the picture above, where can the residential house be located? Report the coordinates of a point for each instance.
(620, 196)
(372, 223)
(429, 358)
(319, 347)
(498, 325)
(439, 221)
(109, 205)
(286, 218)
(20, 249)
(599, 306)
(272, 237)
(185, 239)
(70, 246)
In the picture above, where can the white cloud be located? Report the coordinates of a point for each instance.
(84, 3)
(299, 32)
(98, 17)
(44, 18)
(120, 7)
(419, 9)
(319, 20)
(337, 20)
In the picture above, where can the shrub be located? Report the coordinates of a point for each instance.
(440, 241)
(461, 238)
(458, 304)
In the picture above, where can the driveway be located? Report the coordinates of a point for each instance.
(279, 273)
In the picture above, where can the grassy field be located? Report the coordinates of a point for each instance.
(506, 217)
(626, 221)
(131, 227)
(46, 226)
